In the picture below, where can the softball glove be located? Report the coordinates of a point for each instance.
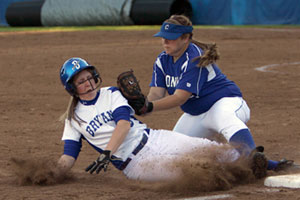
(130, 89)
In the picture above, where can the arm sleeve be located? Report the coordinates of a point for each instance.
(70, 133)
(72, 148)
(72, 140)
(122, 112)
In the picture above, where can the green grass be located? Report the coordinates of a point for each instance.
(133, 27)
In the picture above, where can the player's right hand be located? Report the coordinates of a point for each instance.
(99, 164)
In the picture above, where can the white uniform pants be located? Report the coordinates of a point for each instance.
(156, 161)
(226, 116)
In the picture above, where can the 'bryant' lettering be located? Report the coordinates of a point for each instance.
(171, 81)
(95, 124)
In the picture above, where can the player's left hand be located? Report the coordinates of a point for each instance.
(99, 164)
(131, 90)
(141, 106)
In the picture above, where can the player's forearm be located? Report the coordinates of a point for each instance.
(177, 99)
(118, 136)
(65, 163)
(156, 93)
(153, 97)
(166, 103)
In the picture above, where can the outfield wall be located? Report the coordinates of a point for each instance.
(147, 12)
(245, 12)
(93, 12)
(3, 6)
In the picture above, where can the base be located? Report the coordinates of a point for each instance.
(288, 181)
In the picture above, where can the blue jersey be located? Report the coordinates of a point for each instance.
(207, 84)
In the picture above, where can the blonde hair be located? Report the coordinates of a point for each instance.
(70, 112)
(211, 54)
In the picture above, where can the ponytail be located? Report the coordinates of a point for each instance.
(210, 55)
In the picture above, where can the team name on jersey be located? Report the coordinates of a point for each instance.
(98, 121)
(171, 81)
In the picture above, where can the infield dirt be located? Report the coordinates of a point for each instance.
(32, 100)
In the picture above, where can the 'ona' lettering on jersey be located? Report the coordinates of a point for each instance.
(171, 81)
(95, 124)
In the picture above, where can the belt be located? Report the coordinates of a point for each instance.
(137, 149)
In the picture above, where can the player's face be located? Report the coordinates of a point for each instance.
(85, 85)
(176, 47)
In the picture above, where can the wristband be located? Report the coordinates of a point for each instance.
(150, 107)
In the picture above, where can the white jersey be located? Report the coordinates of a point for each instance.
(145, 154)
(98, 123)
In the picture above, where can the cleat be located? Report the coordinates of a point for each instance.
(285, 164)
(259, 164)
(260, 149)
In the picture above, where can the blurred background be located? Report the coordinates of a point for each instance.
(147, 12)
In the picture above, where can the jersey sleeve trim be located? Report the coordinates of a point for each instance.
(198, 49)
(113, 89)
(198, 82)
(159, 65)
(185, 65)
(122, 112)
(72, 148)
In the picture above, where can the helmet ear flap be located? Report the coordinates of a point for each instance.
(96, 75)
(72, 88)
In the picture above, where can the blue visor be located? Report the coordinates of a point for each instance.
(172, 31)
